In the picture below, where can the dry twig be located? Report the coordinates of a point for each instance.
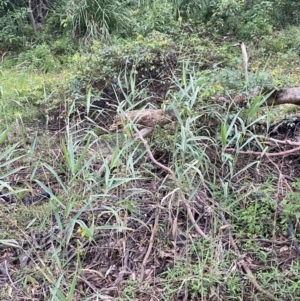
(4, 270)
(140, 136)
(283, 153)
(276, 141)
(154, 230)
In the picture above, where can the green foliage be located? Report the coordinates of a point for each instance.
(202, 10)
(291, 205)
(94, 19)
(282, 42)
(240, 20)
(14, 27)
(40, 58)
(286, 12)
(255, 22)
(153, 16)
(99, 180)
(244, 19)
(88, 20)
(198, 281)
(61, 47)
(256, 213)
(114, 66)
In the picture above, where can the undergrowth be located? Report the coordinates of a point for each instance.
(122, 215)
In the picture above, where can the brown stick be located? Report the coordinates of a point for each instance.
(151, 242)
(276, 141)
(283, 153)
(140, 136)
(191, 217)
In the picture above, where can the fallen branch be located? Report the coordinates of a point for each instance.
(273, 97)
(140, 136)
(262, 154)
(191, 217)
(151, 242)
(284, 96)
(276, 141)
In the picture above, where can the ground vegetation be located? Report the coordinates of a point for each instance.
(139, 160)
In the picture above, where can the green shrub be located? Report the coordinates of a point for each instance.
(291, 205)
(39, 58)
(62, 48)
(14, 30)
(123, 64)
(243, 19)
(282, 41)
(94, 19)
(154, 16)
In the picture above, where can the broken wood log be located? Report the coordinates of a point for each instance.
(273, 97)
(284, 96)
